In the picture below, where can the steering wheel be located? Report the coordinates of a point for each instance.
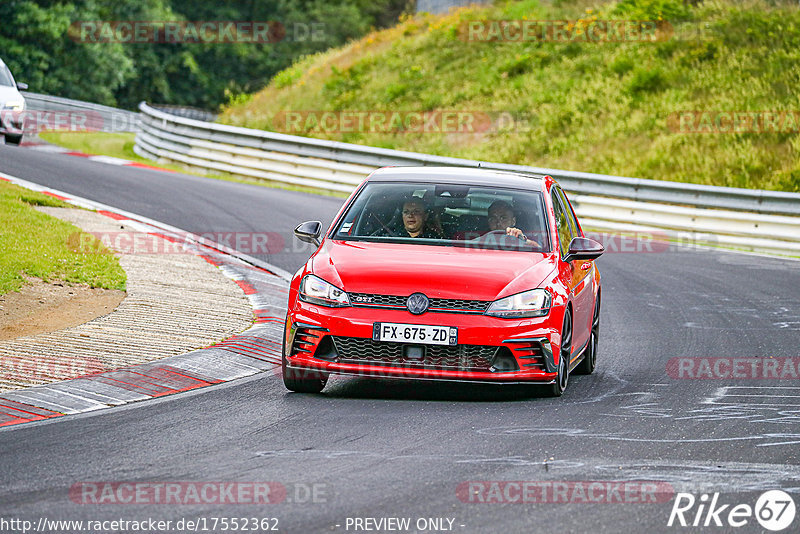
(495, 234)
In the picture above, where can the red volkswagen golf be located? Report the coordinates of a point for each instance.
(446, 274)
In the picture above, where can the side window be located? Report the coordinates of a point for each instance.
(562, 224)
(573, 223)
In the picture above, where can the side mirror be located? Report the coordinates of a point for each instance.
(22, 86)
(309, 232)
(583, 248)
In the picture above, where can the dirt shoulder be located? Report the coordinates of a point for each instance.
(176, 302)
(47, 307)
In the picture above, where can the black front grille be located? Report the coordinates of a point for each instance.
(436, 304)
(465, 305)
(458, 358)
(365, 299)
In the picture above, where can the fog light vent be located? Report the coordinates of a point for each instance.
(326, 350)
(504, 361)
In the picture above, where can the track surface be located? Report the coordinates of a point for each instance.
(400, 449)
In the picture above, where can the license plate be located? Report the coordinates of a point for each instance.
(415, 333)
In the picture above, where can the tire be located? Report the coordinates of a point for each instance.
(13, 140)
(587, 365)
(557, 388)
(301, 381)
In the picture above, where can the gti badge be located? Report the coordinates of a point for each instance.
(417, 303)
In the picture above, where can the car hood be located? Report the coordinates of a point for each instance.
(8, 93)
(439, 272)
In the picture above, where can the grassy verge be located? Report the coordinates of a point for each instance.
(120, 145)
(604, 107)
(37, 245)
(117, 145)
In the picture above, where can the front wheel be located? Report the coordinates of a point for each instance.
(587, 365)
(556, 389)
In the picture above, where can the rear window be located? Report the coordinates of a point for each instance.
(447, 215)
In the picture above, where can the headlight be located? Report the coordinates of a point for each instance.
(533, 303)
(315, 290)
(15, 105)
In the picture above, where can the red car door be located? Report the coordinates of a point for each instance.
(576, 273)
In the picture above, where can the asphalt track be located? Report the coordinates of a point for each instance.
(378, 449)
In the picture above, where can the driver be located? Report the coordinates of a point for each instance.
(502, 218)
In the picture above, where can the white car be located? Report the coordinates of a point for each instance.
(12, 104)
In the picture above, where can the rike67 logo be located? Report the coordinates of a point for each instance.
(774, 510)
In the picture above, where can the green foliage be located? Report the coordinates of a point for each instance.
(672, 10)
(646, 80)
(790, 181)
(519, 64)
(35, 44)
(598, 107)
(287, 77)
(41, 48)
(621, 65)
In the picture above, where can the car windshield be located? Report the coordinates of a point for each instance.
(447, 215)
(5, 77)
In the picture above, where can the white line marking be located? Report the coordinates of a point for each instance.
(750, 395)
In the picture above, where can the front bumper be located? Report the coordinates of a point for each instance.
(11, 122)
(339, 341)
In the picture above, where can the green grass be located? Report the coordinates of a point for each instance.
(594, 107)
(34, 244)
(117, 145)
(120, 145)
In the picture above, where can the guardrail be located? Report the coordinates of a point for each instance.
(79, 115)
(441, 6)
(187, 112)
(750, 219)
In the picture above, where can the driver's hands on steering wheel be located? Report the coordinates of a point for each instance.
(516, 232)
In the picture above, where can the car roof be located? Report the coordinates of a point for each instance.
(459, 175)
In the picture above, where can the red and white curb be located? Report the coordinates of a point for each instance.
(255, 350)
(55, 149)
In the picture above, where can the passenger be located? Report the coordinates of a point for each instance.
(415, 220)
